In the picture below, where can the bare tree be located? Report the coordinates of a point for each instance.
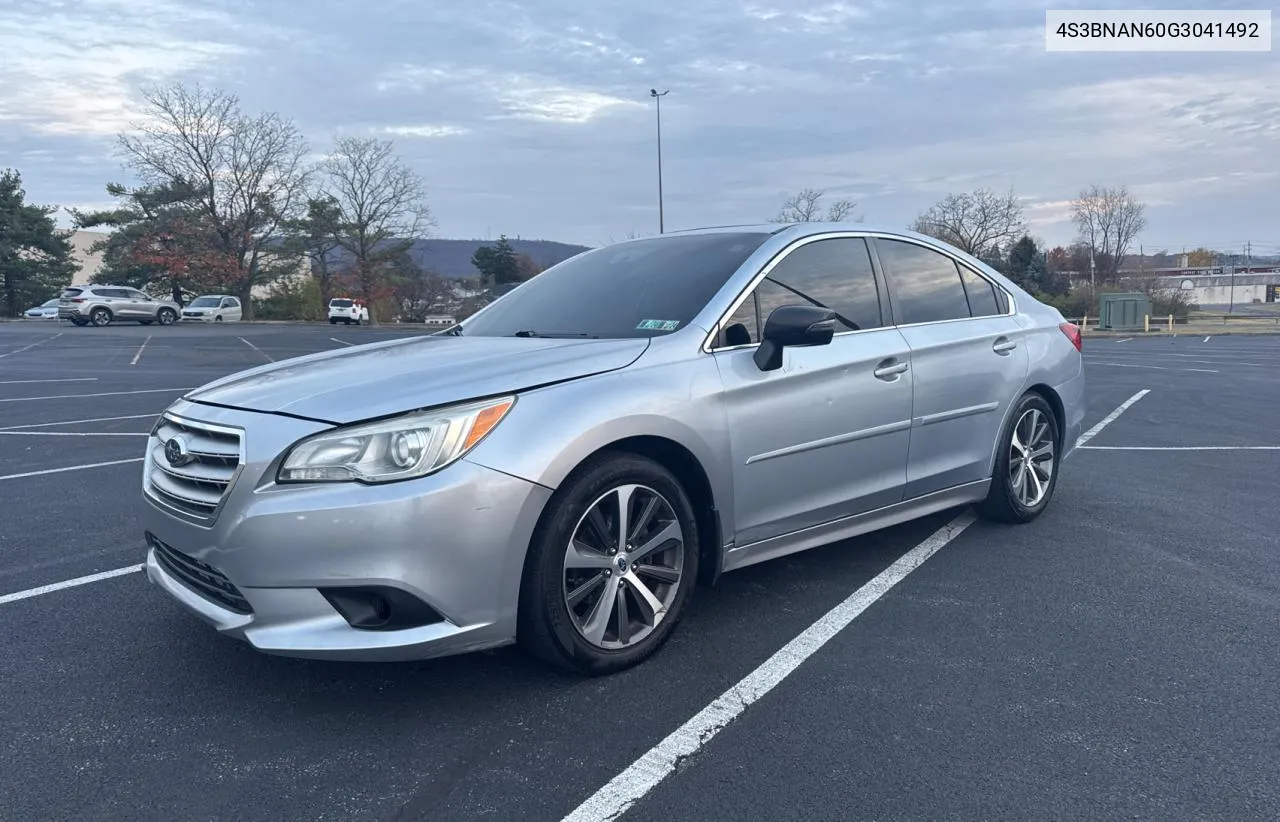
(383, 208)
(806, 207)
(977, 222)
(247, 173)
(1108, 221)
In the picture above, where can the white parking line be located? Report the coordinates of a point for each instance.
(77, 422)
(1181, 447)
(86, 396)
(141, 348)
(1206, 339)
(70, 468)
(4, 433)
(70, 583)
(256, 348)
(65, 379)
(1153, 367)
(33, 345)
(1126, 339)
(343, 342)
(643, 775)
(1110, 418)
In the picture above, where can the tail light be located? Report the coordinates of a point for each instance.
(77, 299)
(1073, 333)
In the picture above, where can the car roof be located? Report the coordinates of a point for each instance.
(804, 229)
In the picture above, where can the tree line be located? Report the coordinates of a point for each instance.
(229, 202)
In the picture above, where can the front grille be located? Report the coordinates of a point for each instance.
(204, 579)
(196, 485)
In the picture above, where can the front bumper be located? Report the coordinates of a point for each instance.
(455, 541)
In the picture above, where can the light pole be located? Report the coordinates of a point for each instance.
(657, 96)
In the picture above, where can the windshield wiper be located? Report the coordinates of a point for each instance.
(550, 334)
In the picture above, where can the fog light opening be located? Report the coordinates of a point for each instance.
(380, 608)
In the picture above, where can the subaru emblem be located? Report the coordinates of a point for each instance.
(176, 453)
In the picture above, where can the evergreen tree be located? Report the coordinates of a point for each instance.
(36, 259)
(498, 264)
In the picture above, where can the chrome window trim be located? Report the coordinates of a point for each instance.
(708, 346)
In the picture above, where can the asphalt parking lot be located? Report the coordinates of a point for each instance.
(1114, 659)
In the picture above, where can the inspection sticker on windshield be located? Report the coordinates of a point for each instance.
(657, 325)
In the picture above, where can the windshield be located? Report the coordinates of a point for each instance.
(340, 303)
(634, 289)
(205, 302)
(50, 303)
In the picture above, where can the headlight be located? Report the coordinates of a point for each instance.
(402, 448)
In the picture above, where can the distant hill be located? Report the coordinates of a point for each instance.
(452, 258)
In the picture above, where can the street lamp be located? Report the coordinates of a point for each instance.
(657, 96)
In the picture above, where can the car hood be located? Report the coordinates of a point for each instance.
(381, 379)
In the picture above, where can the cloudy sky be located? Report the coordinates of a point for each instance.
(532, 117)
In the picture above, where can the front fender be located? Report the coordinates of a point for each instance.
(552, 430)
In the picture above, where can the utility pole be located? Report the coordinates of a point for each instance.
(657, 96)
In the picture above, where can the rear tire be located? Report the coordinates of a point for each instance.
(571, 560)
(100, 317)
(166, 316)
(79, 323)
(1026, 466)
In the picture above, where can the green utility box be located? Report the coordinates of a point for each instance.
(1123, 312)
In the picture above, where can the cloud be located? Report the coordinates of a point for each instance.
(534, 118)
(424, 131)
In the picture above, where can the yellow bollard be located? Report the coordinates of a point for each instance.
(1084, 325)
(1146, 322)
(1170, 323)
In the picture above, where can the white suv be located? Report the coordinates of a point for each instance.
(346, 311)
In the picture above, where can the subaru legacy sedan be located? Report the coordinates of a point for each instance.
(564, 468)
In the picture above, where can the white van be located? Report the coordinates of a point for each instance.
(347, 311)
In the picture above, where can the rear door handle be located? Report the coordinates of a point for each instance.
(1004, 345)
(889, 369)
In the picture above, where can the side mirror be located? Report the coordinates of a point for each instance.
(793, 326)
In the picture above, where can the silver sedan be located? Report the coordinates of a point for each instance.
(563, 468)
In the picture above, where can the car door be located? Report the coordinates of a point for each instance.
(141, 307)
(968, 358)
(116, 299)
(826, 435)
(230, 309)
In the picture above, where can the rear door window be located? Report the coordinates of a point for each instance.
(982, 295)
(926, 282)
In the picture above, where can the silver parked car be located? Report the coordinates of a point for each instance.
(561, 468)
(104, 304)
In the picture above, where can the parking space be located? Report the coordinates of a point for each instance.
(1115, 658)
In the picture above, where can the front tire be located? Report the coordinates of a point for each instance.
(610, 568)
(1026, 464)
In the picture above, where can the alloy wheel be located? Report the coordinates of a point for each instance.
(623, 566)
(1031, 458)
